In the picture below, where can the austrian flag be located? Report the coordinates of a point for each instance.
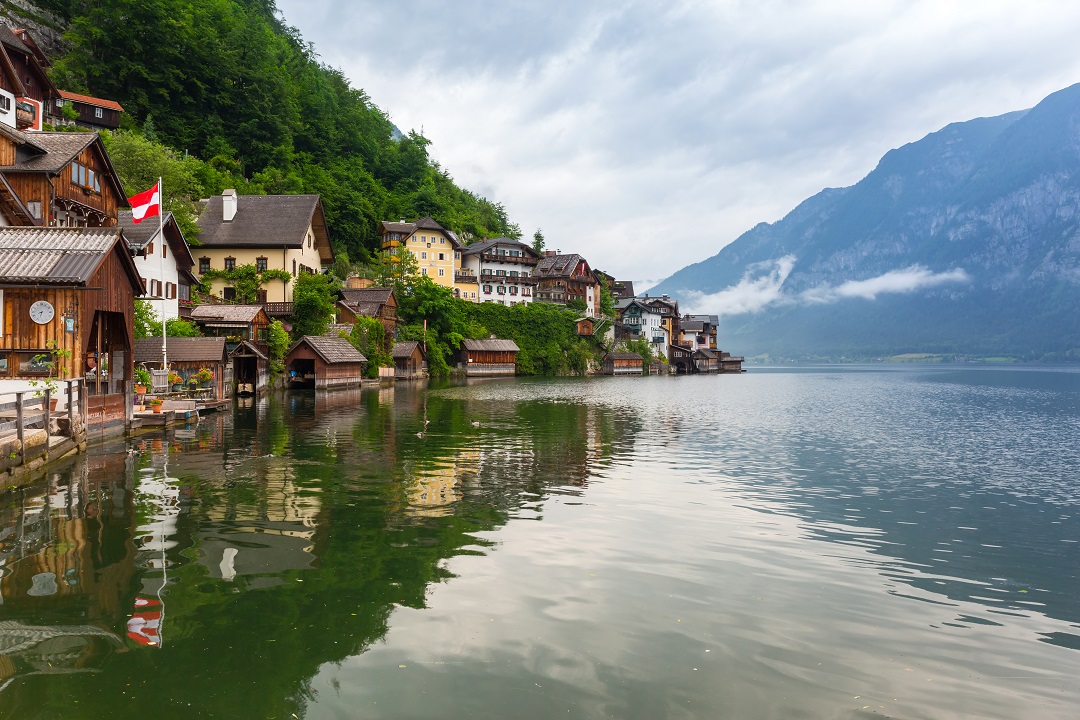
(146, 204)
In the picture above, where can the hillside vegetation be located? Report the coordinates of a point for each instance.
(229, 82)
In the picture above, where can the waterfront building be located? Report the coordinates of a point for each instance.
(410, 361)
(498, 270)
(187, 356)
(271, 232)
(246, 322)
(623, 363)
(165, 266)
(562, 278)
(635, 319)
(436, 249)
(374, 302)
(493, 356)
(321, 362)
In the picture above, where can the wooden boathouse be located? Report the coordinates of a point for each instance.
(321, 362)
(410, 362)
(493, 356)
(623, 363)
(187, 356)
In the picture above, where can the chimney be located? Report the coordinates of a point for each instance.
(549, 253)
(228, 205)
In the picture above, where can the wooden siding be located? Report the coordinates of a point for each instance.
(32, 187)
(7, 149)
(327, 375)
(22, 333)
(105, 201)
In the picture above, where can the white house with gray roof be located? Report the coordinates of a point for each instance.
(499, 271)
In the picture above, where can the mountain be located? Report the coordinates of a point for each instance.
(966, 241)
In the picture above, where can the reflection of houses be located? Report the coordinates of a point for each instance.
(74, 289)
(373, 302)
(498, 270)
(563, 278)
(409, 360)
(488, 357)
(623, 363)
(270, 232)
(318, 361)
(246, 322)
(165, 267)
(188, 355)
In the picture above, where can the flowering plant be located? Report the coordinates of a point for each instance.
(205, 374)
(174, 378)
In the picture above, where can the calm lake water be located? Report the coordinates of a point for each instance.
(812, 543)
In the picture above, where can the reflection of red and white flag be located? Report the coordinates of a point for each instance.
(145, 204)
(144, 626)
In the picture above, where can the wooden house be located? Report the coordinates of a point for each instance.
(562, 278)
(410, 362)
(682, 359)
(706, 360)
(94, 113)
(62, 179)
(187, 356)
(488, 357)
(250, 368)
(243, 322)
(586, 326)
(379, 303)
(321, 362)
(33, 91)
(623, 363)
(165, 266)
(731, 363)
(69, 294)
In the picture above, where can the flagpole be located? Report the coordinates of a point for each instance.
(161, 268)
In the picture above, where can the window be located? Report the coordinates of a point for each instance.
(204, 265)
(5, 103)
(98, 113)
(442, 256)
(423, 254)
(442, 240)
(164, 249)
(442, 272)
(150, 249)
(487, 289)
(170, 291)
(513, 290)
(500, 272)
(230, 263)
(423, 270)
(526, 291)
(472, 295)
(34, 206)
(502, 289)
(294, 268)
(229, 293)
(260, 264)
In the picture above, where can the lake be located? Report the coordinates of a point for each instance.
(842, 542)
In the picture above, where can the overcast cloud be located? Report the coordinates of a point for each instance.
(648, 135)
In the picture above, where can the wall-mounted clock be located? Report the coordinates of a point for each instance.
(42, 312)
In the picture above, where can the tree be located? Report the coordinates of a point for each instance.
(538, 241)
(148, 325)
(277, 342)
(314, 299)
(375, 342)
(607, 301)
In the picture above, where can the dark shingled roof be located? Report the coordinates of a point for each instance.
(139, 235)
(208, 350)
(260, 221)
(694, 326)
(485, 245)
(20, 138)
(557, 265)
(367, 295)
(60, 149)
(404, 349)
(713, 320)
(332, 350)
(492, 345)
(623, 288)
(424, 223)
(54, 255)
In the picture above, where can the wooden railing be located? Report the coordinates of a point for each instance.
(278, 309)
(29, 410)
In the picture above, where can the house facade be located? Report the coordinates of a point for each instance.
(494, 356)
(636, 319)
(623, 363)
(32, 91)
(244, 322)
(94, 113)
(562, 278)
(436, 249)
(410, 362)
(279, 232)
(165, 266)
(379, 303)
(322, 362)
(499, 271)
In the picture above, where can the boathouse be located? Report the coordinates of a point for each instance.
(494, 356)
(730, 363)
(410, 362)
(706, 360)
(187, 356)
(67, 299)
(374, 302)
(250, 368)
(245, 322)
(317, 361)
(623, 363)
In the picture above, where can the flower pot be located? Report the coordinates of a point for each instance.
(177, 387)
(206, 384)
(140, 389)
(157, 408)
(52, 404)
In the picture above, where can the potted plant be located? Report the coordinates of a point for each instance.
(142, 380)
(205, 377)
(54, 362)
(156, 404)
(176, 381)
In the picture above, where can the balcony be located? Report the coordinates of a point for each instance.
(511, 279)
(465, 278)
(520, 260)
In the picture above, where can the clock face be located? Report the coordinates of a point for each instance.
(42, 312)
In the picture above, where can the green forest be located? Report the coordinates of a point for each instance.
(243, 101)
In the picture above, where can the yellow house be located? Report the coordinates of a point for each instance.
(271, 232)
(436, 249)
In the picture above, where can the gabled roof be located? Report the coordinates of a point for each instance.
(623, 288)
(90, 100)
(332, 350)
(218, 314)
(558, 265)
(693, 326)
(713, 320)
(367, 295)
(405, 349)
(490, 345)
(424, 223)
(139, 235)
(247, 348)
(624, 303)
(270, 221)
(485, 245)
(9, 70)
(181, 349)
(21, 138)
(36, 59)
(57, 149)
(25, 41)
(58, 256)
(623, 356)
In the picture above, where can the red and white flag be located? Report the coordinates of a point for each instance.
(145, 204)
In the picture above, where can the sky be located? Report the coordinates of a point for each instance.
(648, 135)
